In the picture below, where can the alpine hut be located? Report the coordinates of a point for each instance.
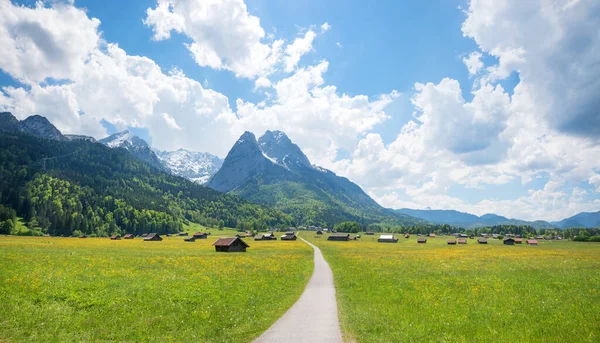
(234, 244)
(289, 236)
(200, 235)
(532, 242)
(462, 241)
(387, 239)
(129, 236)
(451, 242)
(152, 237)
(509, 241)
(115, 237)
(421, 240)
(482, 240)
(339, 237)
(190, 239)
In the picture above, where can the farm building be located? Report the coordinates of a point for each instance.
(539, 237)
(451, 242)
(370, 233)
(129, 236)
(230, 245)
(190, 239)
(152, 237)
(462, 241)
(83, 236)
(422, 240)
(387, 239)
(265, 237)
(115, 237)
(319, 232)
(407, 236)
(509, 241)
(339, 237)
(144, 235)
(532, 242)
(482, 240)
(432, 235)
(289, 236)
(518, 241)
(200, 235)
(182, 234)
(258, 237)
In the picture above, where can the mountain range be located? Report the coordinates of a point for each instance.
(274, 171)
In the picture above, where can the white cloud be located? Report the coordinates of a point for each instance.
(554, 46)
(39, 43)
(325, 27)
(224, 35)
(315, 115)
(297, 49)
(473, 62)
(338, 44)
(595, 180)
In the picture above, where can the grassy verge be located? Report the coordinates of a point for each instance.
(95, 289)
(466, 293)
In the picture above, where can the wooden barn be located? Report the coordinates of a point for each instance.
(200, 235)
(532, 242)
(289, 236)
(407, 236)
(432, 235)
(387, 239)
(129, 236)
(190, 239)
(370, 233)
(319, 232)
(509, 241)
(451, 242)
(152, 237)
(518, 241)
(115, 237)
(230, 245)
(182, 234)
(462, 241)
(482, 240)
(421, 240)
(339, 237)
(259, 237)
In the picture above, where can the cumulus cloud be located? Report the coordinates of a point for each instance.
(473, 62)
(39, 43)
(315, 115)
(224, 35)
(297, 49)
(554, 46)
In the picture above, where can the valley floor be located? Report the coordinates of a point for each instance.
(409, 292)
(95, 289)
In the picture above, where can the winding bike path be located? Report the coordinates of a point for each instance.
(314, 317)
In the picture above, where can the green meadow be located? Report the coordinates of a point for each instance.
(409, 292)
(95, 289)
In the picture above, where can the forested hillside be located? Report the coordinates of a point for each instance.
(67, 186)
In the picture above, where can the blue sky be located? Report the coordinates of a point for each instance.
(441, 104)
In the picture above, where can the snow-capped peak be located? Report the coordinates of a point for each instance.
(194, 166)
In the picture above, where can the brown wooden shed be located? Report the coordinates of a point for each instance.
(129, 236)
(421, 240)
(234, 244)
(518, 241)
(152, 237)
(339, 237)
(387, 239)
(115, 237)
(532, 242)
(509, 241)
(190, 239)
(200, 235)
(462, 241)
(451, 242)
(482, 241)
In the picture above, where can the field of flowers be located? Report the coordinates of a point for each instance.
(465, 293)
(95, 289)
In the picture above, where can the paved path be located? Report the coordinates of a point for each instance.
(313, 318)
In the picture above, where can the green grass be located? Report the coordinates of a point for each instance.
(95, 289)
(466, 293)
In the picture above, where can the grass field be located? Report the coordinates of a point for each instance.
(409, 292)
(95, 289)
